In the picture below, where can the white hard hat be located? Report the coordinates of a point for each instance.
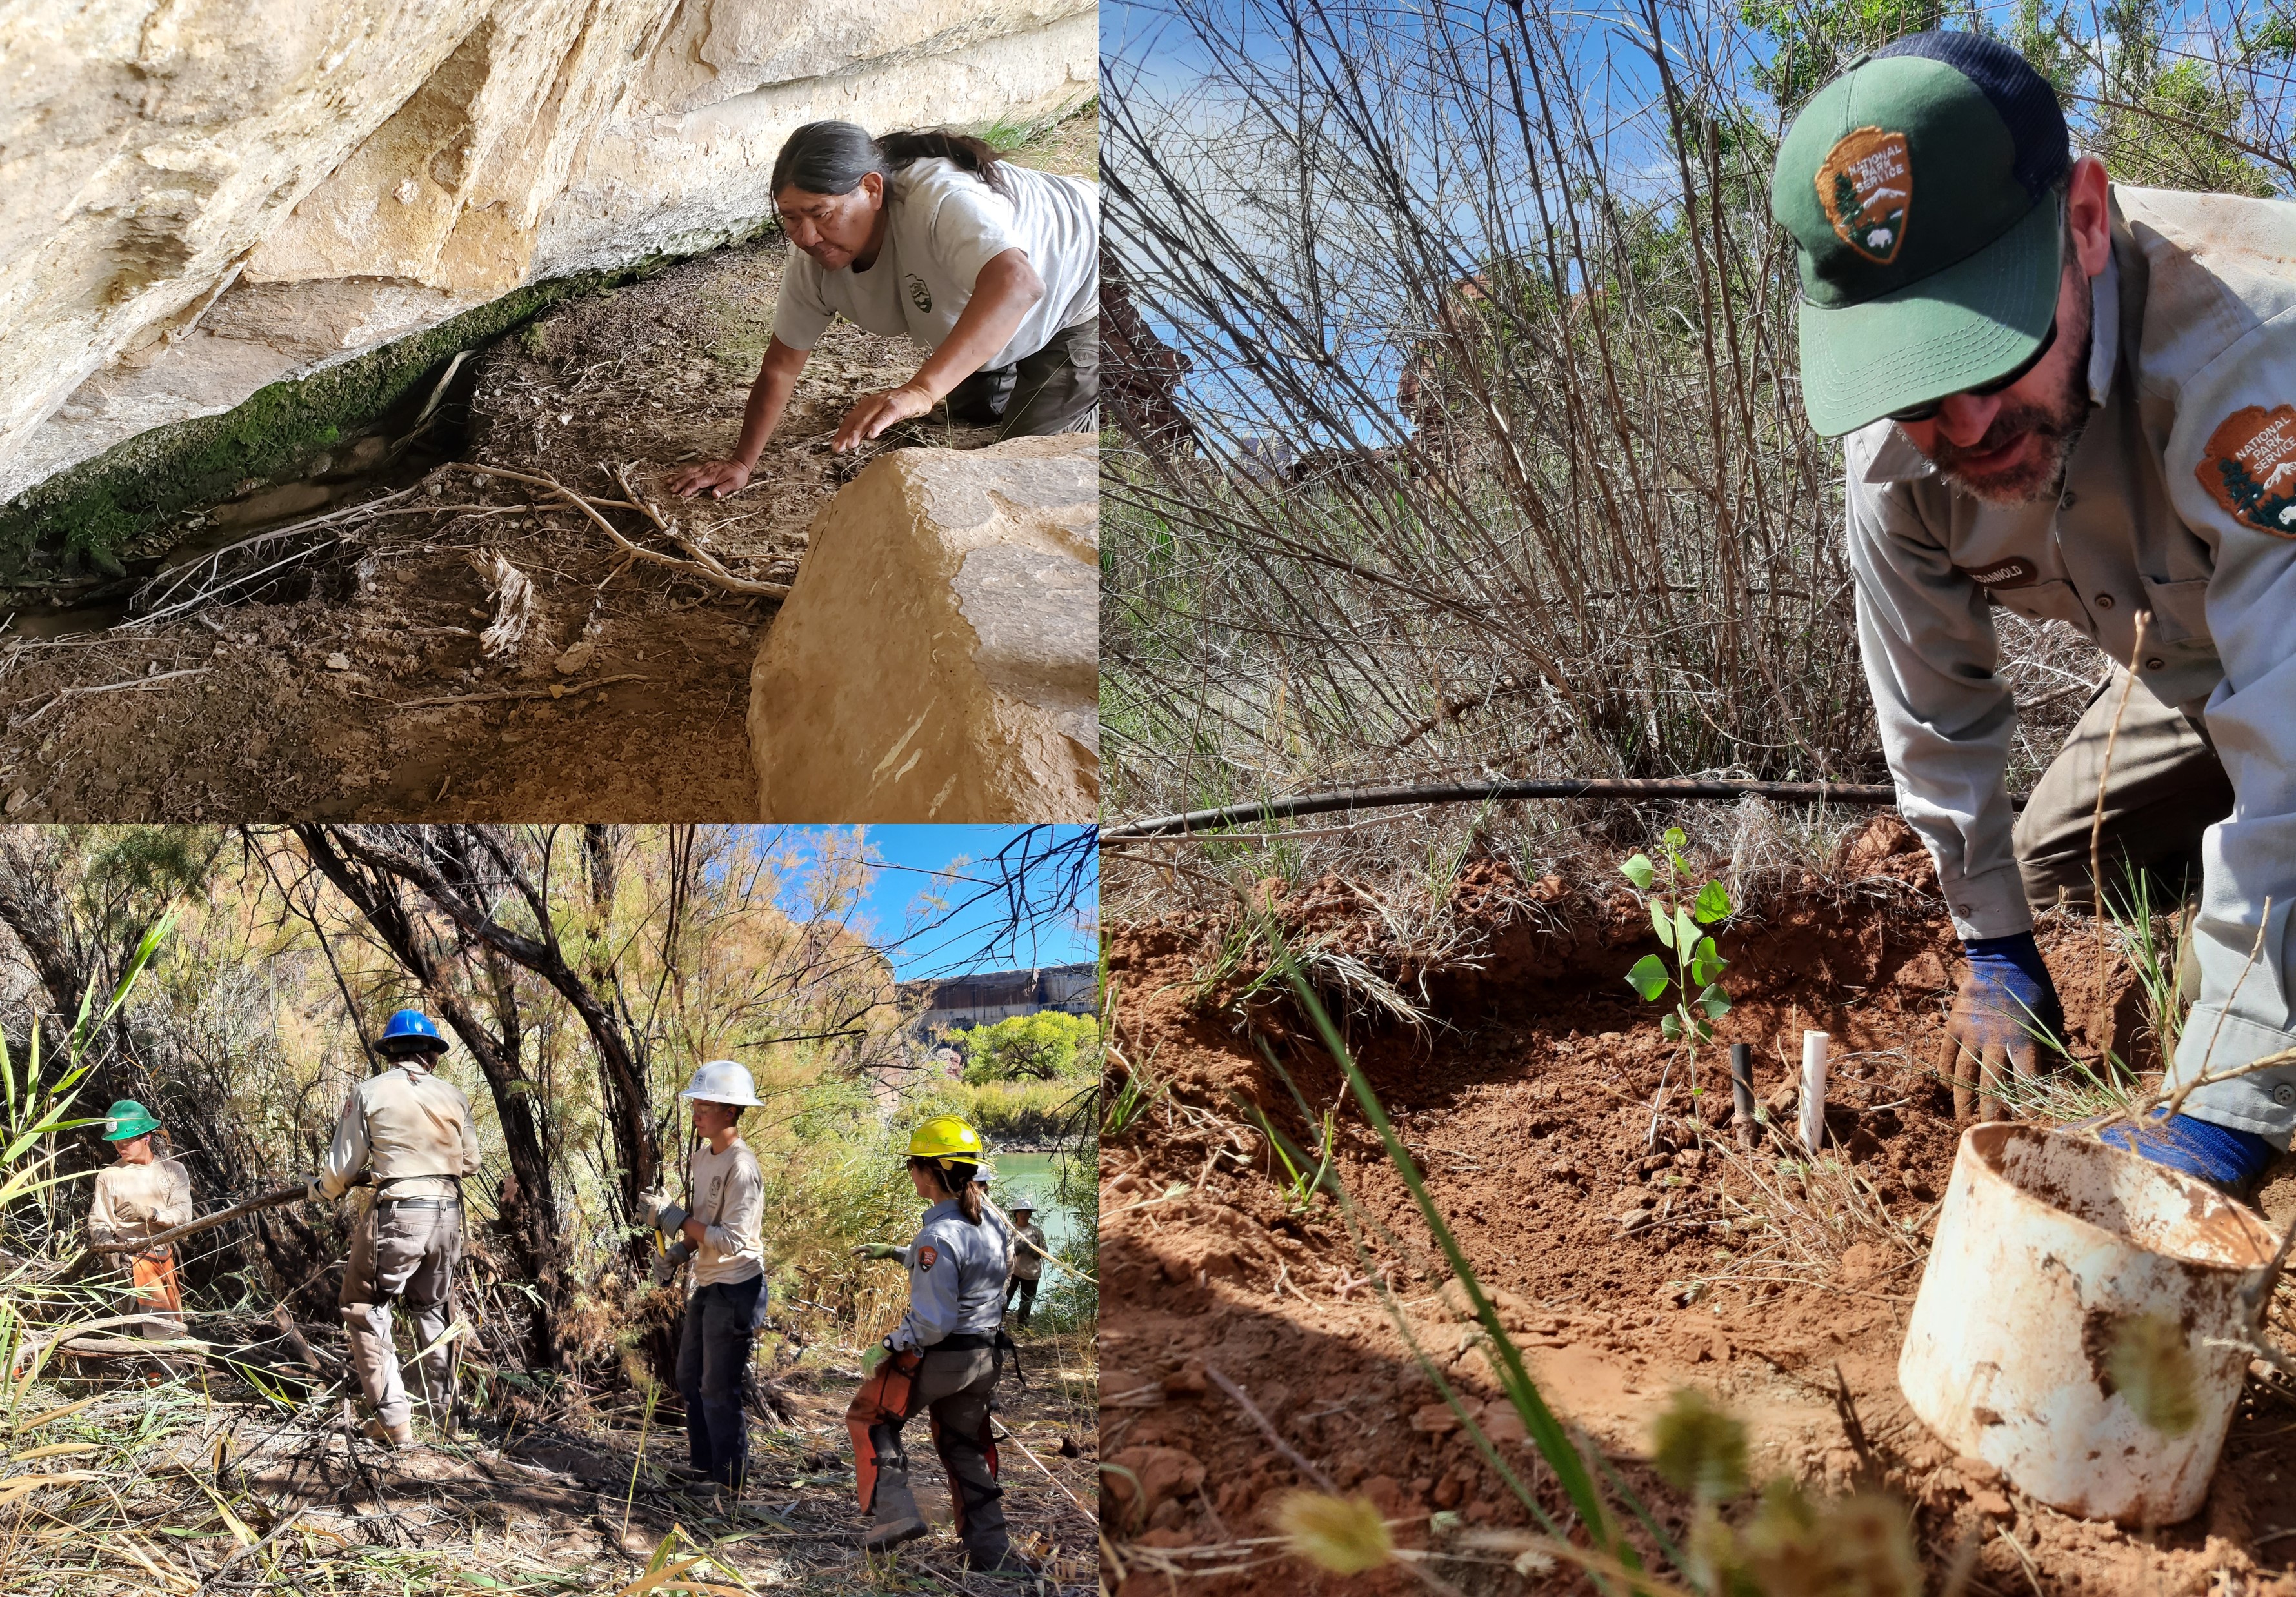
(723, 1081)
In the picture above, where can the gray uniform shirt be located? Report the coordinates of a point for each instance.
(956, 1278)
(2179, 499)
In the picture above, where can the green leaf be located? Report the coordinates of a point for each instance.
(1705, 1032)
(1670, 1028)
(1662, 922)
(1713, 903)
(1685, 933)
(1639, 870)
(1714, 1001)
(1649, 977)
(1675, 837)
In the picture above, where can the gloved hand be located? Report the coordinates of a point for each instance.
(670, 1220)
(881, 1250)
(650, 1204)
(311, 1190)
(2225, 1159)
(2005, 999)
(668, 1262)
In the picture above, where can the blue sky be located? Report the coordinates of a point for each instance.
(953, 939)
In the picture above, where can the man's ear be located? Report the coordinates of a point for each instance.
(2089, 214)
(872, 183)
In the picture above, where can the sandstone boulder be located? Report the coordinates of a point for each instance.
(937, 657)
(212, 195)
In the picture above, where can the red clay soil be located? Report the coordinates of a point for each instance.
(1526, 1107)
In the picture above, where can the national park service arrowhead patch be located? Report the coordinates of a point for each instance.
(2248, 467)
(1865, 183)
(926, 1256)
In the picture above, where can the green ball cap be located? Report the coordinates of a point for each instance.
(1927, 232)
(128, 1119)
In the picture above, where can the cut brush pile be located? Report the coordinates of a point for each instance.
(1298, 1380)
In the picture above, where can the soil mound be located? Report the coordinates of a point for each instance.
(1626, 1268)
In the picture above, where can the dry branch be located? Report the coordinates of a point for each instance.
(712, 572)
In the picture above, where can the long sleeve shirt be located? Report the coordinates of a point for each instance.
(135, 1201)
(1028, 1250)
(729, 1200)
(412, 1128)
(2180, 501)
(956, 1278)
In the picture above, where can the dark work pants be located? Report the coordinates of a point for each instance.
(1056, 390)
(955, 1388)
(713, 1355)
(1021, 1288)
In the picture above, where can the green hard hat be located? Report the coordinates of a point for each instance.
(129, 1119)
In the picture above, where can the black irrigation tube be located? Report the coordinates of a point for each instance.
(1473, 793)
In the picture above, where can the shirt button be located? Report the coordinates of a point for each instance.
(2067, 502)
(2154, 664)
(2283, 1095)
(2104, 601)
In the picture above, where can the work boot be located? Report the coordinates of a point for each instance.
(1007, 1563)
(890, 1534)
(687, 1475)
(397, 1437)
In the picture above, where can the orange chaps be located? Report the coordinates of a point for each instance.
(155, 1291)
(953, 1388)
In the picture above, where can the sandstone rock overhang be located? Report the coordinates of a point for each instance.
(209, 198)
(937, 659)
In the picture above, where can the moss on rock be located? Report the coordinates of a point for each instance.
(96, 513)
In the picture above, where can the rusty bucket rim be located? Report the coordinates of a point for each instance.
(2255, 1229)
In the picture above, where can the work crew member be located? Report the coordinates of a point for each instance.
(723, 1234)
(1028, 1250)
(944, 1357)
(413, 1129)
(2077, 401)
(992, 267)
(142, 1195)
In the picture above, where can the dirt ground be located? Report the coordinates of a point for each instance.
(570, 1505)
(351, 682)
(1527, 1106)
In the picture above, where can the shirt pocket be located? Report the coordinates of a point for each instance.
(2050, 599)
(2180, 612)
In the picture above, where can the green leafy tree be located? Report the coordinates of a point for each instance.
(1043, 1047)
(1814, 43)
(1680, 908)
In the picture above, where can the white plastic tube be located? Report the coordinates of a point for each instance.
(1813, 1089)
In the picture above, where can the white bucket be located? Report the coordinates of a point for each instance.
(2047, 1241)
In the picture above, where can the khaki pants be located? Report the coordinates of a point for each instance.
(402, 1253)
(2165, 788)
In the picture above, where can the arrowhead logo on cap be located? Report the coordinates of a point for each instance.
(1865, 183)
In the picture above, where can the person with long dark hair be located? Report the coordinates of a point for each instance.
(992, 267)
(943, 1358)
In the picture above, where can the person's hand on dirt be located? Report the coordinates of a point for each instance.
(2005, 1009)
(716, 478)
(881, 1250)
(871, 414)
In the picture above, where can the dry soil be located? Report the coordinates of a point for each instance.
(1528, 1105)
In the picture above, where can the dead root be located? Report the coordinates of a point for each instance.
(699, 564)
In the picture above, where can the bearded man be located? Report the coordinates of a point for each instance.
(2076, 400)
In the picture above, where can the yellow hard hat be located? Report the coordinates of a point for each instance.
(945, 1137)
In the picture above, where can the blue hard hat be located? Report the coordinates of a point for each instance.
(410, 1031)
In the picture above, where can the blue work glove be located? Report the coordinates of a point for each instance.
(2006, 1003)
(2226, 1159)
